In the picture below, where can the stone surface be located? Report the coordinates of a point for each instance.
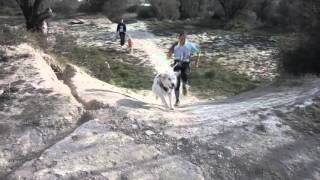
(95, 151)
(269, 133)
(36, 109)
(254, 135)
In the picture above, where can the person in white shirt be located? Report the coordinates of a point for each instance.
(183, 52)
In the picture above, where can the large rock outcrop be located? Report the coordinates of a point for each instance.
(36, 109)
(269, 133)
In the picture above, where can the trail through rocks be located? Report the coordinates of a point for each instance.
(98, 32)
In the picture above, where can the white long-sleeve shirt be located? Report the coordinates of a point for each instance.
(184, 53)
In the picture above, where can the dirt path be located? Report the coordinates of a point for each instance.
(145, 41)
(100, 33)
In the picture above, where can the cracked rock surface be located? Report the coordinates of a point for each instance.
(268, 133)
(36, 109)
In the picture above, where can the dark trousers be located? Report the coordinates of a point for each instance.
(122, 38)
(184, 68)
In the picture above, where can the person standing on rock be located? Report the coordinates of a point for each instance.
(183, 51)
(121, 29)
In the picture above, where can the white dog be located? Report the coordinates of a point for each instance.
(163, 86)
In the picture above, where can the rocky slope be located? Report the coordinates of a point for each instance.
(36, 109)
(269, 133)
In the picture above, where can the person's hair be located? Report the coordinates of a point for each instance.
(182, 34)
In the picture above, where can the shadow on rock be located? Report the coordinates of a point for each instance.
(133, 104)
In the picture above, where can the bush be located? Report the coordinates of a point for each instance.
(8, 11)
(8, 3)
(192, 8)
(104, 64)
(146, 12)
(232, 8)
(114, 9)
(166, 9)
(262, 9)
(64, 43)
(10, 35)
(13, 35)
(305, 59)
(92, 6)
(8, 8)
(65, 7)
(286, 14)
(214, 81)
(133, 9)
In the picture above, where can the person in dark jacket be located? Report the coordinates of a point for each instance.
(121, 29)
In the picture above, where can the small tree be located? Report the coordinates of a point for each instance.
(262, 9)
(35, 13)
(232, 7)
(6, 3)
(92, 6)
(115, 9)
(65, 7)
(166, 9)
(192, 8)
(304, 59)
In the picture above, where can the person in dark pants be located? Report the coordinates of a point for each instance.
(121, 29)
(182, 51)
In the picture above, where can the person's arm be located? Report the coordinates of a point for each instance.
(195, 49)
(118, 27)
(171, 50)
(124, 28)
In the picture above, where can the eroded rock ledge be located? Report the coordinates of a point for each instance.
(269, 133)
(36, 109)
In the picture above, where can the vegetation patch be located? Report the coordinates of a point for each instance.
(13, 35)
(113, 67)
(216, 81)
(304, 58)
(145, 12)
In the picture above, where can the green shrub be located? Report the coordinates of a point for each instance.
(305, 59)
(65, 7)
(93, 6)
(64, 43)
(145, 12)
(8, 11)
(133, 9)
(107, 66)
(114, 9)
(166, 9)
(214, 81)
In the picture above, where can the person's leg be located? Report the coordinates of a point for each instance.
(185, 71)
(177, 90)
(122, 37)
(177, 69)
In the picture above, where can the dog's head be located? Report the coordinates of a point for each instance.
(168, 79)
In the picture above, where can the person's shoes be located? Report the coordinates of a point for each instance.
(177, 103)
(185, 90)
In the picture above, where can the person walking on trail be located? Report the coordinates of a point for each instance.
(121, 29)
(182, 51)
